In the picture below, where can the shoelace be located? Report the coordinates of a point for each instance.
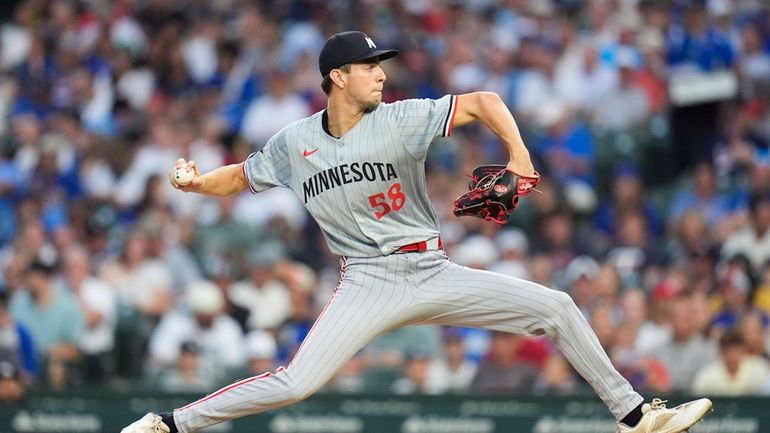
(655, 404)
(157, 423)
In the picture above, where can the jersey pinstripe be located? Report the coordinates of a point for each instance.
(366, 189)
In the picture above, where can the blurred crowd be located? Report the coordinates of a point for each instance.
(649, 120)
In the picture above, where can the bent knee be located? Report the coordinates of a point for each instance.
(560, 302)
(298, 392)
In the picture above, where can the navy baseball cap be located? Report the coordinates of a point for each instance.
(349, 47)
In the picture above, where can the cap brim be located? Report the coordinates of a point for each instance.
(380, 54)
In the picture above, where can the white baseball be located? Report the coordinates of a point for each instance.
(182, 176)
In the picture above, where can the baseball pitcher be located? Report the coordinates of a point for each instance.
(359, 168)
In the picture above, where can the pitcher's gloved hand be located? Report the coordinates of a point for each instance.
(494, 193)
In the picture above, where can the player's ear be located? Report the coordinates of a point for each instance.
(337, 77)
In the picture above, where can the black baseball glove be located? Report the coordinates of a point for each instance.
(494, 193)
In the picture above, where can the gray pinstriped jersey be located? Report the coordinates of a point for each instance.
(366, 189)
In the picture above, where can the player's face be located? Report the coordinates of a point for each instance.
(365, 83)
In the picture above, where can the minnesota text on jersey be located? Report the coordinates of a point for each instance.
(345, 174)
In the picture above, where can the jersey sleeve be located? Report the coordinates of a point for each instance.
(269, 166)
(420, 121)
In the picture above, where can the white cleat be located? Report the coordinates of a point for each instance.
(149, 423)
(659, 419)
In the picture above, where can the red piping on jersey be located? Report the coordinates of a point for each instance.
(229, 387)
(343, 269)
(280, 369)
(452, 119)
(246, 176)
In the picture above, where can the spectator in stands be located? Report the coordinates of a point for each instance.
(188, 375)
(99, 306)
(695, 44)
(301, 282)
(753, 326)
(643, 371)
(12, 186)
(500, 372)
(735, 373)
(414, 374)
(261, 351)
(702, 197)
(651, 76)
(578, 279)
(582, 77)
(53, 317)
(754, 62)
(478, 252)
(513, 246)
(556, 237)
(279, 104)
(452, 372)
(636, 313)
(733, 296)
(762, 293)
(557, 378)
(165, 246)
(605, 326)
(753, 240)
(388, 350)
(161, 144)
(11, 384)
(263, 293)
(142, 284)
(200, 319)
(687, 351)
(627, 195)
(735, 147)
(634, 252)
(625, 107)
(692, 240)
(223, 237)
(16, 345)
(566, 144)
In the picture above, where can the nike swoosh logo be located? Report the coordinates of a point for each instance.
(309, 152)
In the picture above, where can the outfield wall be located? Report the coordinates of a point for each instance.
(92, 412)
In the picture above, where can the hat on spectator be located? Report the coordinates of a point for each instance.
(626, 170)
(8, 370)
(720, 8)
(511, 268)
(260, 345)
(46, 261)
(476, 250)
(189, 346)
(551, 112)
(512, 239)
(665, 289)
(349, 47)
(204, 297)
(416, 353)
(451, 333)
(580, 266)
(266, 254)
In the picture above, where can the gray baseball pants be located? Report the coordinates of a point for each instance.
(380, 294)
